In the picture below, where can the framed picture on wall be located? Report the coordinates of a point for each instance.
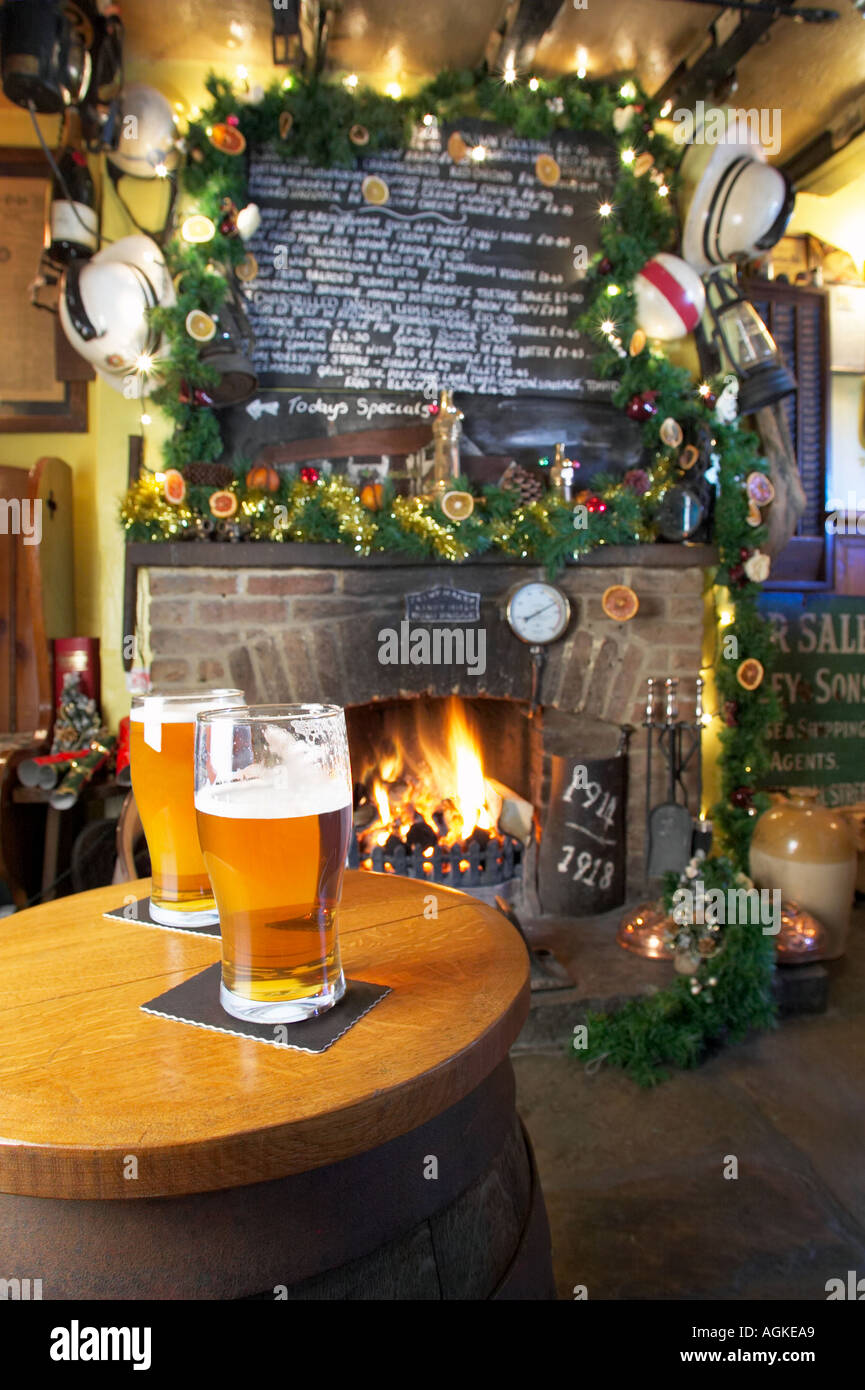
(32, 399)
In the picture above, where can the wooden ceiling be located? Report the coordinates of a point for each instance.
(808, 71)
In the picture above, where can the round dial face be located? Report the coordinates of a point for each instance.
(538, 613)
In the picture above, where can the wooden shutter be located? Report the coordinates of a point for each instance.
(797, 316)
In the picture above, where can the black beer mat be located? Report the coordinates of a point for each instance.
(140, 912)
(196, 1001)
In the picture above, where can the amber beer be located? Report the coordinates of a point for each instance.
(161, 750)
(273, 800)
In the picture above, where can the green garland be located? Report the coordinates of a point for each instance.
(729, 995)
(329, 510)
(675, 1026)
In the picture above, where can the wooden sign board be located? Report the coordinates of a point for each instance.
(819, 677)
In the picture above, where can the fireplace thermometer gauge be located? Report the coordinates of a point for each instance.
(538, 614)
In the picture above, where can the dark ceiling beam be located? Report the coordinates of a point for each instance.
(300, 32)
(524, 30)
(714, 69)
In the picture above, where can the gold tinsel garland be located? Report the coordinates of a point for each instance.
(329, 510)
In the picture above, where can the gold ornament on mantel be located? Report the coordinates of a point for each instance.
(447, 429)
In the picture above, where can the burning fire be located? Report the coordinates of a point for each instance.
(432, 793)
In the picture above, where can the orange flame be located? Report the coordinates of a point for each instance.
(436, 775)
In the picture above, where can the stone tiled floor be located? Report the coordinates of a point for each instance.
(633, 1179)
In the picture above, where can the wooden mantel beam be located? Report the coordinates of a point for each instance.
(525, 26)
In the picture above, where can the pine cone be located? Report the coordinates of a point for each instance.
(208, 474)
(518, 479)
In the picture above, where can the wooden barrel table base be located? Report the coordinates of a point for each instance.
(143, 1158)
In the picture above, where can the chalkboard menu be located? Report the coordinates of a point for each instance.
(819, 676)
(416, 272)
(581, 867)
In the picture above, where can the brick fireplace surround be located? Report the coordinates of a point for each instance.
(301, 623)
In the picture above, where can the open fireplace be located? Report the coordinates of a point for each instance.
(255, 617)
(441, 790)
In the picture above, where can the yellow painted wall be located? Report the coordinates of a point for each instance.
(839, 219)
(99, 458)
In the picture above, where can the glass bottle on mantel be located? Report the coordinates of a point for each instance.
(73, 221)
(808, 851)
(447, 429)
(562, 475)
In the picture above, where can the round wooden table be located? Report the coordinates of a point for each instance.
(141, 1157)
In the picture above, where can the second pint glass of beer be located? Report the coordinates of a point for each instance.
(162, 739)
(273, 798)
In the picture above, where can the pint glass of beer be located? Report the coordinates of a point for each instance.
(161, 751)
(273, 797)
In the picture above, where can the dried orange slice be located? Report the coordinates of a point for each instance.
(223, 503)
(457, 147)
(228, 139)
(642, 164)
(637, 343)
(200, 326)
(547, 170)
(759, 488)
(750, 673)
(688, 457)
(754, 516)
(457, 505)
(620, 603)
(286, 121)
(174, 486)
(375, 190)
(198, 229)
(671, 432)
(248, 268)
(359, 135)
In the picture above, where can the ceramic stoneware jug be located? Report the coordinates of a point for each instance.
(807, 851)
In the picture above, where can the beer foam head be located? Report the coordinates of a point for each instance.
(180, 709)
(274, 794)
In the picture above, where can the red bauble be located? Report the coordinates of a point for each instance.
(232, 120)
(228, 225)
(642, 407)
(309, 475)
(709, 399)
(742, 797)
(744, 552)
(201, 397)
(594, 504)
(605, 265)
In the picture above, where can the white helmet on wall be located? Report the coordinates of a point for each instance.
(735, 205)
(104, 305)
(147, 144)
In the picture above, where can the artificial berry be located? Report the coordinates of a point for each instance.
(605, 265)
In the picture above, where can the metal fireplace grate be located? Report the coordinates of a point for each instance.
(462, 866)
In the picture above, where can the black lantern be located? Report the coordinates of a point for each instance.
(743, 338)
